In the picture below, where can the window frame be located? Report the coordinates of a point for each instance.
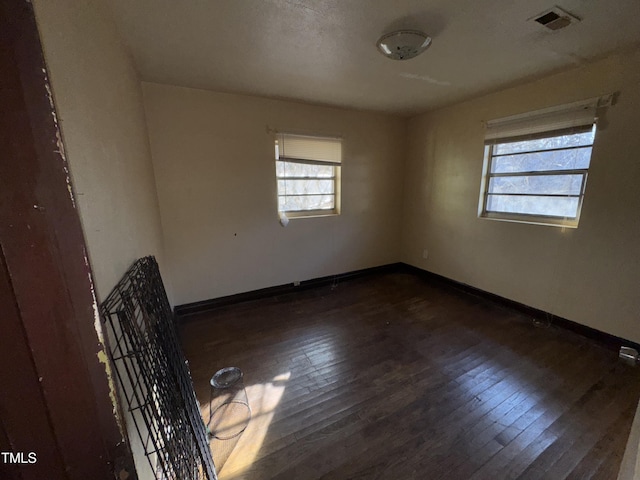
(336, 178)
(537, 219)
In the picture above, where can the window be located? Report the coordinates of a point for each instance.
(308, 175)
(542, 178)
(536, 164)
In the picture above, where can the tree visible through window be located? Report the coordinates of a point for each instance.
(308, 174)
(543, 177)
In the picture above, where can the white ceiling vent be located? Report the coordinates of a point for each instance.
(555, 18)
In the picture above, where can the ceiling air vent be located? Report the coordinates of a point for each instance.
(555, 18)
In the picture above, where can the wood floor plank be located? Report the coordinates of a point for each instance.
(389, 376)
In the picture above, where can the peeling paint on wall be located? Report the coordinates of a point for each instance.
(60, 151)
(101, 354)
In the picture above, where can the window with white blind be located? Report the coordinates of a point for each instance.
(308, 175)
(536, 164)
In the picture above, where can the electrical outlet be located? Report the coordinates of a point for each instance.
(425, 253)
(296, 283)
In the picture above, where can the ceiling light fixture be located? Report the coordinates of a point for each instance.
(403, 44)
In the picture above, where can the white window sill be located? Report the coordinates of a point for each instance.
(531, 220)
(316, 214)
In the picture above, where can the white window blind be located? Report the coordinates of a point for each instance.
(553, 119)
(308, 148)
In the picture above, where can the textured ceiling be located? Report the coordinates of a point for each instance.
(324, 51)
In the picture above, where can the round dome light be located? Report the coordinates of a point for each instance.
(403, 44)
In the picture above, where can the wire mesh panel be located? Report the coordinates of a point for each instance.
(153, 375)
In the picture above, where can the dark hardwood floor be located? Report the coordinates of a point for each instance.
(392, 377)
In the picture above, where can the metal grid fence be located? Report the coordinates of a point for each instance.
(154, 379)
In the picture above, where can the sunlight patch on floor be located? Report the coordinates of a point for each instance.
(263, 400)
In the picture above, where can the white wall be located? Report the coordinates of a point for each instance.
(590, 275)
(214, 161)
(98, 99)
(99, 103)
